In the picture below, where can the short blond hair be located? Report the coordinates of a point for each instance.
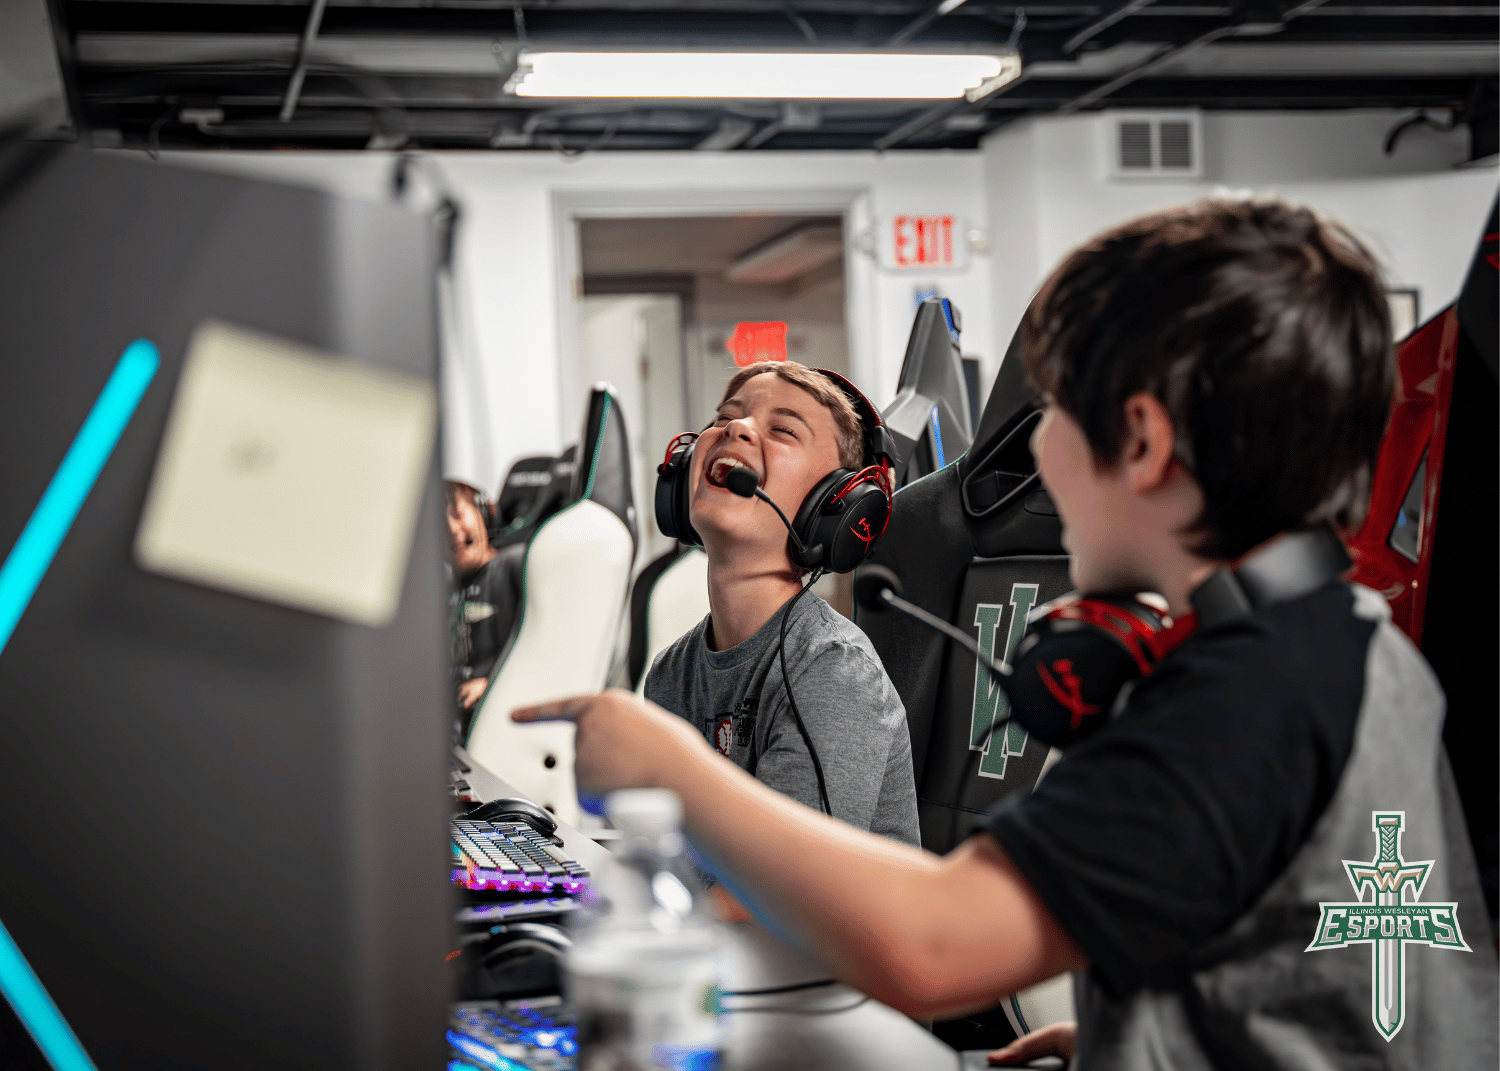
(851, 434)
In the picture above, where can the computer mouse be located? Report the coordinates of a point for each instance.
(515, 810)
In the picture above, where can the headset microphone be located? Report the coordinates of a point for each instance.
(877, 588)
(746, 484)
(1078, 652)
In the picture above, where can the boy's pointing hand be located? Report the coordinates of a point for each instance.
(622, 741)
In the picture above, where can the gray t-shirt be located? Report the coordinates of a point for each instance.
(737, 698)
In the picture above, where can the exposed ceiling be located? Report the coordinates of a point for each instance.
(357, 74)
(696, 245)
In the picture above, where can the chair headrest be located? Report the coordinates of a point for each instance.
(522, 517)
(998, 466)
(526, 480)
(1009, 395)
(929, 418)
(603, 473)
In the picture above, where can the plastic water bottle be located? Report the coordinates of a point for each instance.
(643, 971)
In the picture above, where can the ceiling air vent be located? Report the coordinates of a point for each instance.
(1168, 145)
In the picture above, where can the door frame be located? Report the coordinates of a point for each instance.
(853, 204)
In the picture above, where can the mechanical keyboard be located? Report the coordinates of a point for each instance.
(511, 857)
(525, 1035)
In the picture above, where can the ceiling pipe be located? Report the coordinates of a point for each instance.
(922, 21)
(795, 18)
(1124, 11)
(729, 134)
(1171, 52)
(912, 127)
(299, 68)
(1141, 70)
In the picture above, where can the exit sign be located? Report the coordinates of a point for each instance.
(923, 243)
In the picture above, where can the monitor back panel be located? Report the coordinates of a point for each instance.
(222, 828)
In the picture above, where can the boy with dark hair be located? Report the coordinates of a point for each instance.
(486, 594)
(1213, 379)
(791, 426)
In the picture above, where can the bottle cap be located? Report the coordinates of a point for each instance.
(649, 812)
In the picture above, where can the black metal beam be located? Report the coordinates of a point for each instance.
(346, 107)
(299, 65)
(1093, 29)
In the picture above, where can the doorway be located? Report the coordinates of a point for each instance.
(661, 298)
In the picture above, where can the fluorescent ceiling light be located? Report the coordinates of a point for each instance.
(751, 75)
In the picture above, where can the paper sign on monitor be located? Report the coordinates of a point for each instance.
(289, 475)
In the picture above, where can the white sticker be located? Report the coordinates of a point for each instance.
(289, 475)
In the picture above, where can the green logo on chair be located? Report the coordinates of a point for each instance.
(990, 703)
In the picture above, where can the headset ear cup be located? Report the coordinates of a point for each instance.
(849, 532)
(672, 497)
(809, 515)
(666, 491)
(680, 516)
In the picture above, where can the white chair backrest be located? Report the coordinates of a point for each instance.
(575, 578)
(677, 601)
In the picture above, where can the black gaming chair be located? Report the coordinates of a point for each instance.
(535, 488)
(1428, 543)
(1462, 631)
(519, 489)
(978, 544)
(669, 597)
(929, 417)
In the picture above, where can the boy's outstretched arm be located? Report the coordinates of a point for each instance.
(929, 936)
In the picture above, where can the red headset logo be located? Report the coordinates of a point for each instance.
(867, 535)
(1069, 692)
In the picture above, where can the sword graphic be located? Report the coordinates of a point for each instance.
(1388, 920)
(1387, 876)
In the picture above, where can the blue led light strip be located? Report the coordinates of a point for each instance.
(937, 438)
(23, 570)
(60, 503)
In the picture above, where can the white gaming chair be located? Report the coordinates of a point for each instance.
(574, 584)
(670, 597)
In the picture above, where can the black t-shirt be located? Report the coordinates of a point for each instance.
(1158, 832)
(483, 612)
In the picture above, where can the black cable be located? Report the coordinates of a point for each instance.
(775, 989)
(812, 752)
(969, 644)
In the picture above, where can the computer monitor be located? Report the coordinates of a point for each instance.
(930, 415)
(222, 820)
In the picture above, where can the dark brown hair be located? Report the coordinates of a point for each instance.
(1261, 328)
(851, 434)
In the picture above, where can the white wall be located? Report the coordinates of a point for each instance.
(509, 258)
(1037, 187)
(635, 343)
(1046, 193)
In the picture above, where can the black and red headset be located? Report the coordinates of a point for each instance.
(1080, 651)
(844, 515)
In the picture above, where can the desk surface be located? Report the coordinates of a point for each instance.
(828, 1028)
